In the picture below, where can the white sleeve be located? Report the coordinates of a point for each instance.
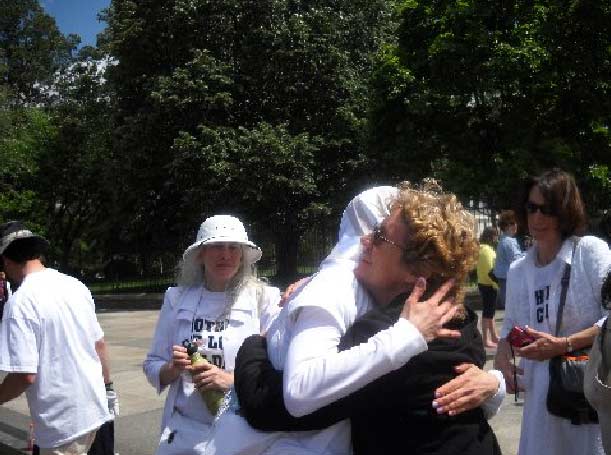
(516, 305)
(161, 346)
(269, 308)
(316, 374)
(19, 343)
(98, 333)
(492, 405)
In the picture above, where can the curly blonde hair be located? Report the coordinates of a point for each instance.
(441, 241)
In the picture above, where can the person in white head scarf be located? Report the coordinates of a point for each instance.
(217, 304)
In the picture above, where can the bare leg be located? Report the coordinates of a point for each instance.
(487, 329)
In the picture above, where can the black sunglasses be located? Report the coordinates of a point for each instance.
(532, 208)
(378, 237)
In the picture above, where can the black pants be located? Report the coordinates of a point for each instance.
(488, 294)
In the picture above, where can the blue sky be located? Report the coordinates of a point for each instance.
(77, 16)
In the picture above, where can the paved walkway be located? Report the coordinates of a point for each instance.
(128, 334)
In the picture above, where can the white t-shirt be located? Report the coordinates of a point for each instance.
(543, 278)
(303, 342)
(50, 329)
(208, 327)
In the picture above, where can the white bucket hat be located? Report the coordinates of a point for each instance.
(224, 229)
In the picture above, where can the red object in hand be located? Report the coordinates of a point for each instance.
(518, 338)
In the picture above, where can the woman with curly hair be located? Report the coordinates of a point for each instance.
(332, 372)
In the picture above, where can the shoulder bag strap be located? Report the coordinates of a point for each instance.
(604, 333)
(566, 277)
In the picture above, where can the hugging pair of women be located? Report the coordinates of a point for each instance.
(353, 361)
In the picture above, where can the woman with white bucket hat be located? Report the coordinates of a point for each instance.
(217, 304)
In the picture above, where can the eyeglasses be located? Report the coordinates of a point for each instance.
(532, 208)
(378, 237)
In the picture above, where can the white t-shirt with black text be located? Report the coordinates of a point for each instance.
(207, 327)
(50, 329)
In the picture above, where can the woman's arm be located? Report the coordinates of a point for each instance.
(516, 309)
(158, 365)
(547, 346)
(269, 306)
(316, 374)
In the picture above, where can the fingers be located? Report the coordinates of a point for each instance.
(180, 358)
(449, 387)
(534, 333)
(448, 333)
(449, 309)
(442, 291)
(465, 392)
(463, 367)
(204, 366)
(213, 379)
(456, 406)
(417, 292)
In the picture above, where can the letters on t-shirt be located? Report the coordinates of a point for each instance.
(541, 303)
(209, 334)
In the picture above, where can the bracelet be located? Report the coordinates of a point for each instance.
(569, 346)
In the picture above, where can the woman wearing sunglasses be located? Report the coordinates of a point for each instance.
(554, 212)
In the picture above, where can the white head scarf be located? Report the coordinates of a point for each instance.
(361, 215)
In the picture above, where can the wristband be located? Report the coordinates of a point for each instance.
(109, 386)
(569, 346)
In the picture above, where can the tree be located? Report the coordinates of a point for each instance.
(76, 182)
(480, 93)
(31, 49)
(25, 133)
(226, 84)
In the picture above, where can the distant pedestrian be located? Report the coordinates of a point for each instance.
(52, 347)
(507, 251)
(487, 287)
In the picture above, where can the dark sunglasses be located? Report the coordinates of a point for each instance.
(532, 208)
(378, 237)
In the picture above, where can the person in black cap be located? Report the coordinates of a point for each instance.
(52, 347)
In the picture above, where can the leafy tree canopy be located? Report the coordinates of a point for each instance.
(480, 93)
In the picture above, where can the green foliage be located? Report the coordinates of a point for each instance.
(217, 97)
(76, 183)
(31, 49)
(480, 93)
(25, 134)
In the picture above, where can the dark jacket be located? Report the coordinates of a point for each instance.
(387, 415)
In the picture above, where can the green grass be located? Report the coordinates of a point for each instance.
(141, 285)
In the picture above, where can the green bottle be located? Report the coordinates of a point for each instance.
(212, 398)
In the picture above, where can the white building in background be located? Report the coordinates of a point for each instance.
(483, 215)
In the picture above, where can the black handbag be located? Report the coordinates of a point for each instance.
(565, 396)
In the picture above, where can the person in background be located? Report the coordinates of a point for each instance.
(217, 304)
(507, 251)
(487, 287)
(597, 385)
(52, 347)
(552, 208)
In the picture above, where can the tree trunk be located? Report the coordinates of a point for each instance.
(287, 254)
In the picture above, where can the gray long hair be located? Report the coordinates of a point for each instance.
(190, 274)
